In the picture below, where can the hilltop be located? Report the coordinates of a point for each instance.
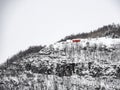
(107, 30)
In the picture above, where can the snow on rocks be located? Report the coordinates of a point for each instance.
(71, 65)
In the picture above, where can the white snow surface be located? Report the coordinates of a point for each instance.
(108, 42)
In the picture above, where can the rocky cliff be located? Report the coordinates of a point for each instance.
(91, 64)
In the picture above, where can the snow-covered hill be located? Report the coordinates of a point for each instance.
(90, 64)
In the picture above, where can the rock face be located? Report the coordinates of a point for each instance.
(91, 64)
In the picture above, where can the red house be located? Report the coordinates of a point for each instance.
(76, 40)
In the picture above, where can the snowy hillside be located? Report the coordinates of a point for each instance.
(85, 64)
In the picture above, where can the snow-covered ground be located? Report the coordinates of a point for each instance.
(109, 42)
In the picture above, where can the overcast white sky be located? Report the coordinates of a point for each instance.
(24, 23)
